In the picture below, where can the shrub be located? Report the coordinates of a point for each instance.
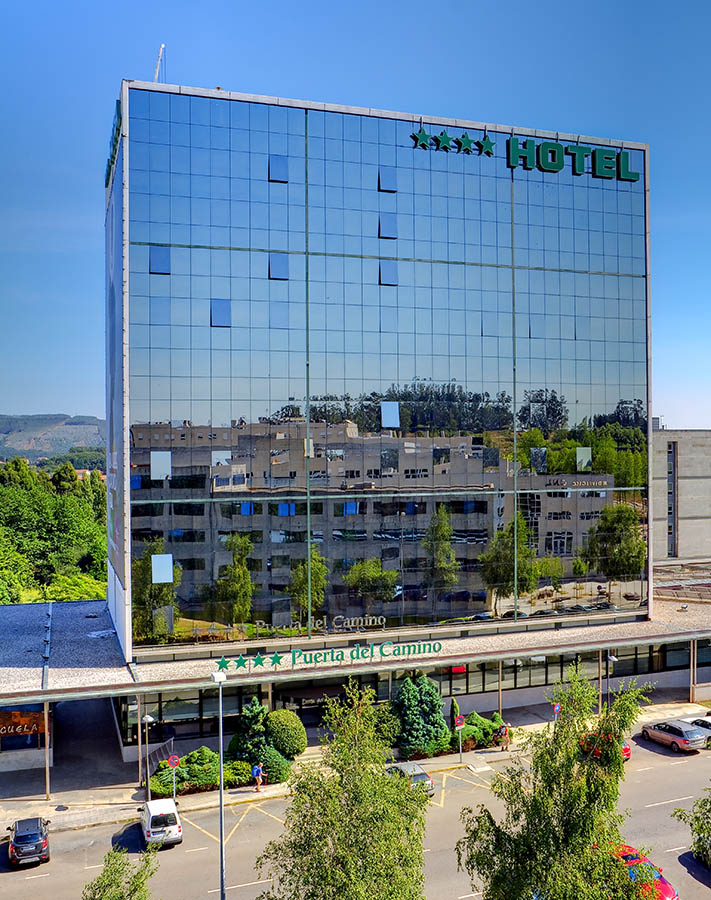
(276, 766)
(437, 732)
(471, 737)
(413, 736)
(248, 741)
(486, 727)
(203, 768)
(237, 773)
(285, 732)
(159, 790)
(453, 712)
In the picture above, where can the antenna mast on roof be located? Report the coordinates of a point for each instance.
(160, 57)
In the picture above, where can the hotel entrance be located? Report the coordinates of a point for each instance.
(307, 698)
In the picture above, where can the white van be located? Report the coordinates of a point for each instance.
(160, 822)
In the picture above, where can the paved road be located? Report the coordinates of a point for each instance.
(656, 782)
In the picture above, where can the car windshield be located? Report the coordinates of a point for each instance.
(645, 868)
(419, 776)
(164, 820)
(31, 837)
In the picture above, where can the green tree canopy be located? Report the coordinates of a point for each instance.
(616, 547)
(235, 587)
(352, 832)
(369, 581)
(120, 879)
(560, 828)
(148, 597)
(298, 586)
(442, 565)
(497, 562)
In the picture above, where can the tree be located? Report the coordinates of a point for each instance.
(248, 741)
(65, 480)
(413, 734)
(371, 582)
(75, 587)
(604, 454)
(298, 586)
(580, 569)
(551, 567)
(120, 880)
(560, 828)
(146, 596)
(543, 409)
(497, 562)
(442, 565)
(436, 731)
(352, 832)
(15, 570)
(698, 818)
(616, 547)
(235, 587)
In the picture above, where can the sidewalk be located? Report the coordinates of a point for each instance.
(118, 803)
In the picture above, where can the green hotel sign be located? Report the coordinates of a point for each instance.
(371, 652)
(546, 156)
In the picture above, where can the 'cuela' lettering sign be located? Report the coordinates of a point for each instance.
(15, 722)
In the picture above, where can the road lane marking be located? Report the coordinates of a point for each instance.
(196, 849)
(43, 875)
(264, 812)
(674, 849)
(233, 887)
(195, 825)
(680, 763)
(440, 802)
(428, 851)
(97, 866)
(645, 769)
(663, 802)
(464, 896)
(237, 824)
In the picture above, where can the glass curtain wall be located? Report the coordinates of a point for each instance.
(384, 342)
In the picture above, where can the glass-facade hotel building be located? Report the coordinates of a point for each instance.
(328, 327)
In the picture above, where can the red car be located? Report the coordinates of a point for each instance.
(633, 858)
(587, 742)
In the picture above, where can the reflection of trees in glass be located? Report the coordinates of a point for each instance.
(543, 409)
(298, 586)
(147, 597)
(371, 582)
(629, 413)
(616, 547)
(551, 567)
(442, 565)
(497, 563)
(234, 588)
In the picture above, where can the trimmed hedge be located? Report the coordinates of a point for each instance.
(284, 730)
(276, 766)
(237, 773)
(198, 771)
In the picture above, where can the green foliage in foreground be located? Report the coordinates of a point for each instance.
(285, 731)
(352, 832)
(698, 818)
(120, 879)
(560, 828)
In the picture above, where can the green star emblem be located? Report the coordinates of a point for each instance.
(443, 141)
(465, 143)
(276, 659)
(486, 146)
(241, 662)
(223, 664)
(259, 660)
(421, 139)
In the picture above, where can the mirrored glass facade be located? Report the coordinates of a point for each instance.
(337, 327)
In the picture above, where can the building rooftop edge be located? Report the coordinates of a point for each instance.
(381, 113)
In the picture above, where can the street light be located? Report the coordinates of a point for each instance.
(148, 720)
(610, 659)
(219, 678)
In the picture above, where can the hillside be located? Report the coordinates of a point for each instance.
(48, 435)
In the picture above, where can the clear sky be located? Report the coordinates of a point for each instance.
(630, 69)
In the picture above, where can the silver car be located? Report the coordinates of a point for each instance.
(415, 774)
(677, 734)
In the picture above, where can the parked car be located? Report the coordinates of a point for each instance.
(160, 822)
(704, 725)
(483, 617)
(577, 609)
(677, 734)
(29, 841)
(509, 614)
(604, 604)
(633, 858)
(415, 774)
(587, 743)
(545, 612)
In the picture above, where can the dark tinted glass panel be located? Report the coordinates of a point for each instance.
(278, 266)
(220, 315)
(388, 271)
(159, 258)
(387, 179)
(278, 168)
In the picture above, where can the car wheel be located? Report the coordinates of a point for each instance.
(645, 734)
(675, 747)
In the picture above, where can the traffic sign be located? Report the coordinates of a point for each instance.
(556, 709)
(173, 761)
(459, 722)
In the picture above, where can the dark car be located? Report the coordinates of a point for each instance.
(604, 604)
(483, 617)
(29, 841)
(509, 614)
(576, 609)
(545, 612)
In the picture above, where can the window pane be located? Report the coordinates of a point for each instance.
(162, 568)
(387, 179)
(159, 260)
(278, 169)
(278, 266)
(388, 225)
(160, 466)
(390, 414)
(220, 313)
(388, 271)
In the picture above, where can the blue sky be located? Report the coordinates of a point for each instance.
(611, 69)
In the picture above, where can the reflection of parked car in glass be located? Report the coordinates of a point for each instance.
(547, 612)
(676, 734)
(509, 614)
(577, 609)
(604, 604)
(483, 617)
(415, 774)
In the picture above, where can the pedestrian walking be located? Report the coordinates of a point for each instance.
(504, 736)
(258, 775)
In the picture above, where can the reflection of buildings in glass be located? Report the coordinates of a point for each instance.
(404, 260)
(372, 496)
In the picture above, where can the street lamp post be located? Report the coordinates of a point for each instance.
(219, 678)
(147, 720)
(610, 659)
